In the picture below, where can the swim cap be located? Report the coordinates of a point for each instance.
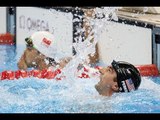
(128, 77)
(45, 43)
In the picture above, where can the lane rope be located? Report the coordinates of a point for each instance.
(84, 72)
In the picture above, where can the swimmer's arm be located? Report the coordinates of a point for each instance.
(42, 65)
(21, 63)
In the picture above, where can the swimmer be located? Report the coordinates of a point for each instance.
(39, 53)
(119, 77)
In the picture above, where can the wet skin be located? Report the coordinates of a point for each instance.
(108, 82)
(33, 58)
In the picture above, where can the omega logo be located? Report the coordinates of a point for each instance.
(29, 24)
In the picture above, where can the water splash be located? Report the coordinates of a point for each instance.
(98, 23)
(34, 95)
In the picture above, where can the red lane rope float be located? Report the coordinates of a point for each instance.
(6, 38)
(88, 72)
(85, 72)
(148, 70)
(11, 75)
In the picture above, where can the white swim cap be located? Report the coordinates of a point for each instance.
(45, 43)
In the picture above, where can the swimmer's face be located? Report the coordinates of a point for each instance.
(108, 82)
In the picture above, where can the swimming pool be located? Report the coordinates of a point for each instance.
(71, 95)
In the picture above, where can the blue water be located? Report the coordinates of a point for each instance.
(74, 95)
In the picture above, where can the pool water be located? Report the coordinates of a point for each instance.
(71, 95)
